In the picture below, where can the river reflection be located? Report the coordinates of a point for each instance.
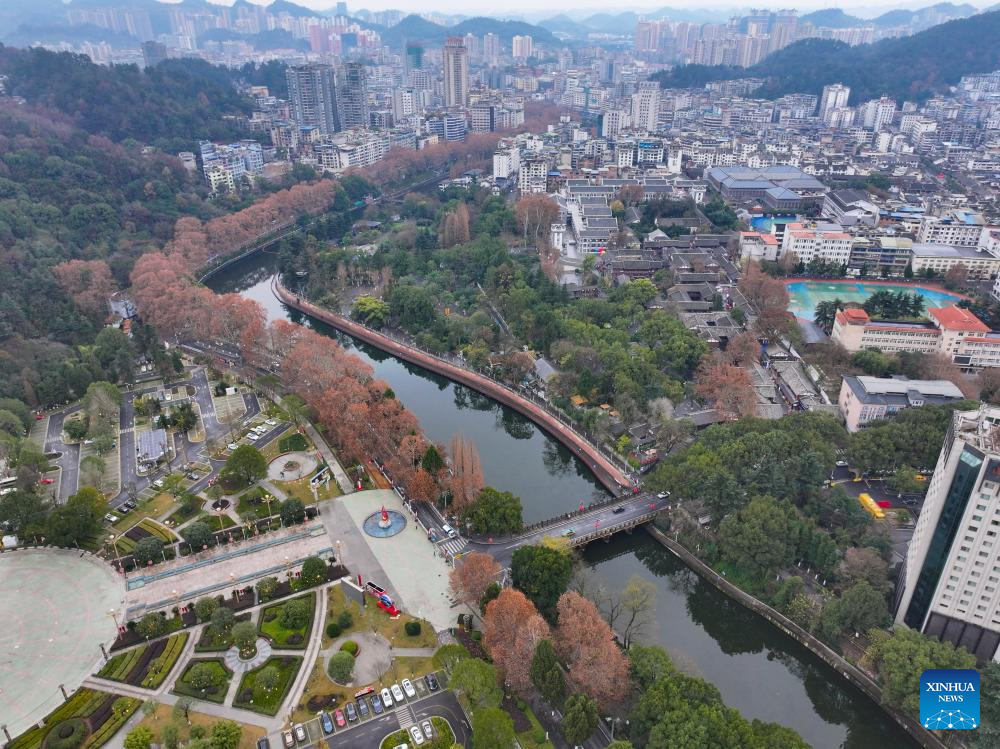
(758, 670)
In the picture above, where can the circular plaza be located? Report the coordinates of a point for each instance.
(55, 611)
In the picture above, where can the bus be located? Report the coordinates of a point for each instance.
(871, 506)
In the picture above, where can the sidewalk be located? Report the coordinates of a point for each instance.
(345, 484)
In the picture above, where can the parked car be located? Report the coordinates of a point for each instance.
(158, 483)
(46, 482)
(253, 437)
(338, 715)
(231, 446)
(362, 708)
(263, 743)
(432, 682)
(428, 729)
(111, 518)
(841, 464)
(417, 734)
(270, 422)
(300, 733)
(287, 739)
(397, 693)
(387, 697)
(449, 531)
(352, 714)
(408, 688)
(377, 704)
(325, 722)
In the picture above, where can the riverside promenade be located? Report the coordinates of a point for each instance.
(611, 476)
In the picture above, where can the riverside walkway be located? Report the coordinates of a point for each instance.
(612, 476)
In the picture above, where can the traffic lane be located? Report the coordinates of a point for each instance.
(69, 462)
(369, 735)
(596, 519)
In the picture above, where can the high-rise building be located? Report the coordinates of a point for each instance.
(491, 48)
(521, 47)
(646, 106)
(414, 56)
(834, 96)
(948, 585)
(878, 113)
(312, 93)
(352, 96)
(153, 53)
(456, 72)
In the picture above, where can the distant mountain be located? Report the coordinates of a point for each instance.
(265, 40)
(612, 23)
(909, 68)
(26, 34)
(833, 18)
(415, 28)
(563, 24)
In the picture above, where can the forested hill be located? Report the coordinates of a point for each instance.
(171, 106)
(911, 68)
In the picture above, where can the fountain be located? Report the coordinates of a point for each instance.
(384, 523)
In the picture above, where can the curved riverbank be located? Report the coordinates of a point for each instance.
(611, 476)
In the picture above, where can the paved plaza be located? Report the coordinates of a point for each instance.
(292, 466)
(54, 614)
(414, 571)
(218, 571)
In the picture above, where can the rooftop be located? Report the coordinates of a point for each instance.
(956, 318)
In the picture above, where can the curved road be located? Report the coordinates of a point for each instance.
(609, 474)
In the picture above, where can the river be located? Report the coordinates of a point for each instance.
(758, 669)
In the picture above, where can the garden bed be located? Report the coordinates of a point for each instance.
(146, 666)
(281, 637)
(211, 642)
(249, 696)
(216, 694)
(100, 714)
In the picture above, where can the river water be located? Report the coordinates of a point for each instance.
(758, 669)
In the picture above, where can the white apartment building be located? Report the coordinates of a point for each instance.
(958, 228)
(613, 122)
(826, 242)
(834, 96)
(506, 162)
(940, 258)
(531, 175)
(521, 47)
(948, 587)
(646, 106)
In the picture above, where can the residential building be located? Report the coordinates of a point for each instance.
(834, 97)
(646, 106)
(758, 246)
(312, 93)
(959, 228)
(456, 72)
(851, 208)
(864, 400)
(153, 53)
(947, 587)
(521, 47)
(826, 242)
(352, 96)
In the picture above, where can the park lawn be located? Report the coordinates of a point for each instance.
(411, 667)
(213, 521)
(218, 694)
(251, 504)
(280, 635)
(526, 738)
(293, 442)
(164, 716)
(319, 684)
(250, 697)
(158, 530)
(152, 508)
(179, 516)
(372, 618)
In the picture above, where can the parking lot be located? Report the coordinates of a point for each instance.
(369, 730)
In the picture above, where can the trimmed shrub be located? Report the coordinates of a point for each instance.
(68, 734)
(538, 735)
(340, 667)
(333, 629)
(412, 628)
(345, 619)
(350, 646)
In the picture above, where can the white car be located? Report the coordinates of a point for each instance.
(387, 698)
(841, 464)
(111, 518)
(408, 688)
(270, 422)
(418, 737)
(158, 483)
(428, 729)
(449, 531)
(253, 437)
(397, 693)
(231, 446)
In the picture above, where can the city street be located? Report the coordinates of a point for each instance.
(69, 455)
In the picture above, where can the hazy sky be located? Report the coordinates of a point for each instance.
(505, 7)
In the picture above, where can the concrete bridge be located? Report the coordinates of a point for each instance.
(579, 528)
